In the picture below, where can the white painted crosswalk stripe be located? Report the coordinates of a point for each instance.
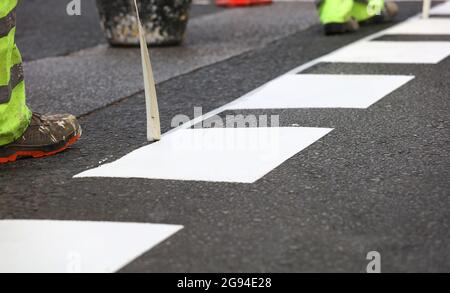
(241, 155)
(441, 9)
(391, 52)
(417, 26)
(45, 246)
(308, 91)
(234, 155)
(209, 154)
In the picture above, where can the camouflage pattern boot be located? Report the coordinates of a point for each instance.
(390, 11)
(45, 136)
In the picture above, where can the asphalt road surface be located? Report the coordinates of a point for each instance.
(378, 182)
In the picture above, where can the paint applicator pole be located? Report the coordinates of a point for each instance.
(151, 100)
(426, 9)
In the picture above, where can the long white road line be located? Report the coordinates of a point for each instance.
(437, 9)
(442, 9)
(45, 246)
(199, 167)
(392, 52)
(416, 26)
(237, 155)
(308, 91)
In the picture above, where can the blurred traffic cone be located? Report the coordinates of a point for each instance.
(231, 3)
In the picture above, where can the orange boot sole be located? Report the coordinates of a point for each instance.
(37, 154)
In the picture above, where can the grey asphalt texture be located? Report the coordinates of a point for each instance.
(95, 77)
(45, 30)
(379, 181)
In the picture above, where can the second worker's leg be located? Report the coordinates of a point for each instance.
(374, 11)
(336, 16)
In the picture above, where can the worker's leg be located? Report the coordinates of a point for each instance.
(335, 11)
(364, 10)
(22, 133)
(14, 114)
(336, 16)
(341, 16)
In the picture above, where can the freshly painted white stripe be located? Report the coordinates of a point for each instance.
(147, 167)
(308, 91)
(325, 58)
(241, 155)
(429, 26)
(441, 9)
(391, 52)
(295, 70)
(45, 246)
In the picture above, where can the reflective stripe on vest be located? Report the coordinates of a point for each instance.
(7, 23)
(16, 78)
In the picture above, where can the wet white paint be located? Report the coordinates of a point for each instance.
(322, 91)
(45, 246)
(418, 26)
(206, 154)
(441, 9)
(391, 52)
(241, 155)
